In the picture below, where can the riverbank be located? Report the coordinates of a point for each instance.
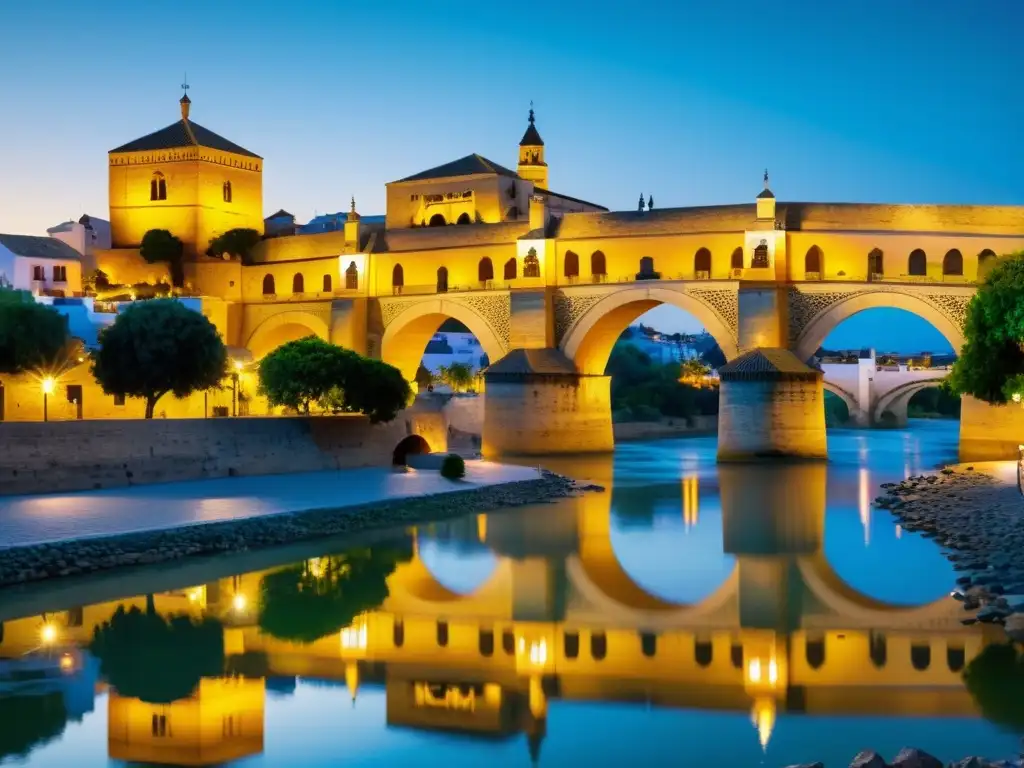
(976, 513)
(915, 758)
(19, 565)
(656, 430)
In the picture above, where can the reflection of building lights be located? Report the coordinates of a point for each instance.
(48, 633)
(754, 671)
(239, 602)
(316, 567)
(899, 531)
(67, 663)
(691, 502)
(195, 595)
(354, 636)
(1016, 397)
(864, 503)
(773, 672)
(539, 652)
(763, 718)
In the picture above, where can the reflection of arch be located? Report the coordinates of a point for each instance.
(847, 397)
(437, 220)
(268, 285)
(511, 267)
(953, 263)
(815, 332)
(589, 342)
(464, 219)
(409, 446)
(407, 335)
(897, 399)
(283, 327)
(917, 263)
(485, 270)
(571, 264)
(415, 580)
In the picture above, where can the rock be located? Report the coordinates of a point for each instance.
(868, 759)
(973, 762)
(915, 758)
(1015, 627)
(807, 765)
(992, 613)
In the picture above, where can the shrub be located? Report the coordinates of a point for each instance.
(453, 467)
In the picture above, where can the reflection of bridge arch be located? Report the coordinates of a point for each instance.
(284, 327)
(589, 342)
(407, 335)
(819, 326)
(897, 399)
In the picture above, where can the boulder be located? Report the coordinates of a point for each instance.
(807, 765)
(973, 762)
(1015, 627)
(868, 759)
(915, 758)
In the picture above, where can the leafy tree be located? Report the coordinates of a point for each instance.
(303, 603)
(424, 378)
(31, 335)
(28, 721)
(159, 346)
(458, 376)
(159, 245)
(156, 659)
(453, 467)
(235, 242)
(991, 363)
(642, 388)
(994, 679)
(694, 372)
(377, 390)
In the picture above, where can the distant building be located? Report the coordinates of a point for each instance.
(446, 348)
(41, 265)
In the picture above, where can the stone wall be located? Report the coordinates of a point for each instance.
(990, 432)
(759, 419)
(82, 455)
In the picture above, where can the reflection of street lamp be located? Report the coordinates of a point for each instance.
(238, 366)
(48, 385)
(48, 634)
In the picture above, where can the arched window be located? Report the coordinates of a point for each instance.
(736, 261)
(486, 642)
(327, 284)
(920, 657)
(464, 219)
(598, 268)
(702, 264)
(510, 269)
(351, 277)
(598, 645)
(815, 653)
(648, 644)
(953, 263)
(879, 650)
(442, 279)
(442, 633)
(986, 260)
(437, 220)
(571, 642)
(298, 284)
(571, 265)
(760, 260)
(268, 285)
(647, 269)
(812, 263)
(485, 270)
(531, 264)
(955, 658)
(157, 187)
(227, 191)
(703, 652)
(397, 278)
(876, 264)
(398, 633)
(917, 264)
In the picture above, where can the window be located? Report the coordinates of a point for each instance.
(157, 187)
(598, 268)
(917, 264)
(118, 399)
(815, 653)
(812, 263)
(736, 655)
(953, 263)
(955, 658)
(298, 283)
(920, 657)
(159, 725)
(531, 264)
(486, 642)
(38, 273)
(648, 644)
(647, 269)
(398, 633)
(572, 645)
(878, 650)
(876, 264)
(572, 265)
(508, 642)
(986, 260)
(442, 279)
(60, 274)
(598, 645)
(736, 262)
(485, 271)
(702, 264)
(510, 269)
(442, 633)
(760, 260)
(268, 285)
(703, 653)
(397, 279)
(328, 284)
(351, 277)
(75, 617)
(227, 191)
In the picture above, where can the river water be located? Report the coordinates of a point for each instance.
(689, 615)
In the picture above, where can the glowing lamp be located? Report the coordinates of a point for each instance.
(49, 384)
(239, 602)
(67, 663)
(48, 634)
(238, 364)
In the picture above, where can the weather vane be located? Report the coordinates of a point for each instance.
(184, 85)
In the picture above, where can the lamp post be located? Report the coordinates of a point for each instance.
(48, 385)
(238, 365)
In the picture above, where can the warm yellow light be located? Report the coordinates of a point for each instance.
(239, 602)
(49, 384)
(773, 672)
(763, 718)
(67, 663)
(48, 633)
(539, 652)
(754, 671)
(354, 637)
(1016, 397)
(239, 365)
(195, 594)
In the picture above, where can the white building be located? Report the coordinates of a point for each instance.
(41, 265)
(85, 235)
(446, 348)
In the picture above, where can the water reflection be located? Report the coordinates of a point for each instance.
(709, 593)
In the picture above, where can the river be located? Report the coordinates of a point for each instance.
(689, 615)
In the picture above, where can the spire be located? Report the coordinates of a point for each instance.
(640, 205)
(352, 215)
(766, 193)
(531, 138)
(185, 101)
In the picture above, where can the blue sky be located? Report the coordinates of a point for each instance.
(870, 101)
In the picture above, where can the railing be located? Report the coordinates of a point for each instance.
(311, 295)
(448, 197)
(812, 275)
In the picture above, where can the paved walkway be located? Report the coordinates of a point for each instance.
(54, 517)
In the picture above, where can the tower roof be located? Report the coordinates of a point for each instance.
(464, 166)
(531, 138)
(183, 133)
(767, 364)
(766, 194)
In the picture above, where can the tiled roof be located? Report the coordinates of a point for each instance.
(34, 247)
(767, 364)
(532, 362)
(531, 138)
(464, 166)
(542, 191)
(281, 214)
(183, 133)
(766, 194)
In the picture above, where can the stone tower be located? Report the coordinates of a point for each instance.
(531, 156)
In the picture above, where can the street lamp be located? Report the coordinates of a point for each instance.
(48, 385)
(238, 366)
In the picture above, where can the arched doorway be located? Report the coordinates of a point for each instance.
(511, 267)
(571, 266)
(442, 279)
(986, 260)
(702, 264)
(485, 271)
(397, 279)
(598, 266)
(409, 446)
(813, 263)
(953, 264)
(464, 219)
(284, 327)
(268, 285)
(917, 263)
(736, 260)
(437, 220)
(876, 264)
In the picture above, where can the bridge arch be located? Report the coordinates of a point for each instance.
(284, 327)
(589, 342)
(897, 399)
(847, 397)
(407, 335)
(815, 332)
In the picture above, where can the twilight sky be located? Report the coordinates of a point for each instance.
(873, 101)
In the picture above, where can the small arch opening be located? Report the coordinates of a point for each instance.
(397, 278)
(442, 634)
(879, 650)
(703, 653)
(815, 653)
(876, 264)
(986, 260)
(413, 445)
(268, 285)
(702, 264)
(531, 264)
(571, 266)
(955, 658)
(398, 633)
(598, 645)
(486, 642)
(736, 655)
(351, 277)
(572, 645)
(812, 263)
(648, 644)
(598, 266)
(921, 657)
(298, 283)
(647, 269)
(511, 267)
(485, 271)
(157, 187)
(437, 220)
(953, 263)
(736, 260)
(917, 263)
(508, 642)
(442, 279)
(327, 286)
(463, 219)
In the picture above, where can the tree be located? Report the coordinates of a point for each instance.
(694, 372)
(458, 376)
(159, 245)
(155, 659)
(31, 335)
(424, 378)
(235, 242)
(991, 363)
(159, 346)
(994, 679)
(29, 721)
(377, 390)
